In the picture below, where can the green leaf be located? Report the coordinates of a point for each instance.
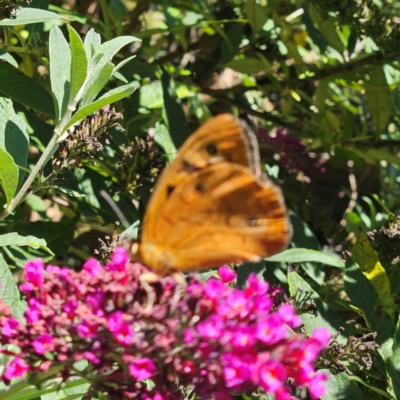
(257, 14)
(122, 64)
(364, 255)
(14, 239)
(377, 155)
(69, 192)
(46, 386)
(306, 255)
(362, 294)
(163, 138)
(79, 62)
(9, 292)
(379, 99)
(326, 317)
(8, 175)
(91, 42)
(340, 386)
(327, 27)
(98, 84)
(396, 348)
(31, 15)
(176, 119)
(97, 64)
(60, 70)
(17, 86)
(57, 235)
(108, 98)
(151, 95)
(247, 65)
(13, 136)
(130, 233)
(4, 56)
(303, 236)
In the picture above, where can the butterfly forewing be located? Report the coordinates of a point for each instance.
(221, 139)
(219, 214)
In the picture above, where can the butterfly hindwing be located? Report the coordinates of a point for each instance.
(219, 214)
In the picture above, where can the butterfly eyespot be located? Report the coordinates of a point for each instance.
(199, 188)
(211, 149)
(253, 222)
(170, 189)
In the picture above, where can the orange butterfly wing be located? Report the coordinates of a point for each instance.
(221, 139)
(219, 214)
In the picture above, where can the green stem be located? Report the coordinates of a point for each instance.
(25, 187)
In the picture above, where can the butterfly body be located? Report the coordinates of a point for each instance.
(212, 205)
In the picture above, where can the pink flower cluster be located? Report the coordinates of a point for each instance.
(293, 154)
(215, 338)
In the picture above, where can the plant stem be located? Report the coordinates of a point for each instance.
(52, 145)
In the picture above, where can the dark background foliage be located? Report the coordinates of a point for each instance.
(318, 82)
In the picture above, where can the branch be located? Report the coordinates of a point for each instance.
(247, 109)
(141, 6)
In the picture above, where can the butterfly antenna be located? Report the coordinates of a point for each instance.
(115, 208)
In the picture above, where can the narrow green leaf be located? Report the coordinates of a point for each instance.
(30, 15)
(32, 392)
(377, 155)
(163, 138)
(130, 233)
(257, 14)
(13, 136)
(247, 65)
(176, 120)
(396, 348)
(122, 63)
(14, 239)
(8, 175)
(69, 192)
(79, 62)
(96, 85)
(9, 292)
(327, 27)
(4, 56)
(17, 86)
(97, 64)
(91, 42)
(321, 95)
(378, 97)
(60, 70)
(110, 97)
(306, 255)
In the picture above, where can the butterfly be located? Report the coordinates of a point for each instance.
(213, 205)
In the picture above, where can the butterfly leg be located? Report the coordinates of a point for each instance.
(145, 280)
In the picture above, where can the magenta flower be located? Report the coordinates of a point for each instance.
(142, 368)
(226, 274)
(43, 343)
(87, 330)
(236, 370)
(93, 267)
(208, 336)
(272, 374)
(15, 369)
(9, 326)
(34, 272)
